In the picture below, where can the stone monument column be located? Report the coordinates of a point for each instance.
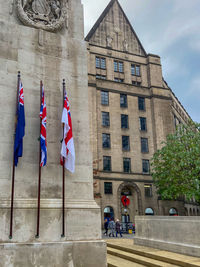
(43, 39)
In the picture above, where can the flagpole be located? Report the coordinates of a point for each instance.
(13, 170)
(63, 176)
(39, 177)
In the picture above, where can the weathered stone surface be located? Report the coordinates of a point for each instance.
(60, 254)
(50, 57)
(174, 233)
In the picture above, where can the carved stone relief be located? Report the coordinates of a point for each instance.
(48, 15)
(109, 41)
(125, 45)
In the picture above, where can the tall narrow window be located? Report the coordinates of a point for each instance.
(107, 187)
(105, 119)
(105, 140)
(144, 145)
(145, 166)
(127, 165)
(135, 70)
(123, 101)
(118, 66)
(148, 190)
(143, 124)
(106, 163)
(125, 143)
(100, 63)
(104, 98)
(124, 121)
(141, 103)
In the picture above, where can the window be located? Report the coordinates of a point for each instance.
(141, 103)
(104, 98)
(173, 212)
(136, 83)
(106, 163)
(124, 121)
(125, 143)
(100, 63)
(123, 101)
(135, 69)
(105, 140)
(127, 164)
(144, 145)
(108, 188)
(119, 80)
(103, 77)
(143, 124)
(148, 190)
(145, 166)
(105, 119)
(118, 66)
(149, 211)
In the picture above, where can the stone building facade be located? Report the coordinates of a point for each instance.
(132, 110)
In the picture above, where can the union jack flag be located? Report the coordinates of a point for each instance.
(43, 140)
(20, 128)
(67, 150)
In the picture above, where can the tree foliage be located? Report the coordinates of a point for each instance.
(176, 166)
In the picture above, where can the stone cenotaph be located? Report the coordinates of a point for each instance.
(43, 39)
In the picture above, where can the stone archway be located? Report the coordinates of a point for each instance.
(138, 192)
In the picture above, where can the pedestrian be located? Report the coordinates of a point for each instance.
(106, 226)
(111, 227)
(118, 228)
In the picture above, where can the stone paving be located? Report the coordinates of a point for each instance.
(128, 241)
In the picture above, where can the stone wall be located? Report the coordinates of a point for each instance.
(173, 233)
(49, 56)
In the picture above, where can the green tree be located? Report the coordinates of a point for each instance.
(176, 166)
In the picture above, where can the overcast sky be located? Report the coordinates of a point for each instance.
(170, 29)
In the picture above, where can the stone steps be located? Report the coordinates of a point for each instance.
(132, 259)
(126, 250)
(114, 261)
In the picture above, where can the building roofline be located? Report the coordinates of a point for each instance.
(100, 19)
(176, 98)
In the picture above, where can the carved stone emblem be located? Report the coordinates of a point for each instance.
(48, 15)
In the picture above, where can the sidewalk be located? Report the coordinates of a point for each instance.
(124, 236)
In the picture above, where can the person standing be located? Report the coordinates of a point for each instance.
(111, 227)
(106, 226)
(118, 228)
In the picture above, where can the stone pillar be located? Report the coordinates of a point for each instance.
(45, 42)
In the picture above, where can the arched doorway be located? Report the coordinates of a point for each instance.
(149, 211)
(128, 210)
(173, 212)
(108, 213)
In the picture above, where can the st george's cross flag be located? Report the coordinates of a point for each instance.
(20, 128)
(67, 150)
(43, 140)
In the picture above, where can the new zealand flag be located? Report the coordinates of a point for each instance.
(20, 129)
